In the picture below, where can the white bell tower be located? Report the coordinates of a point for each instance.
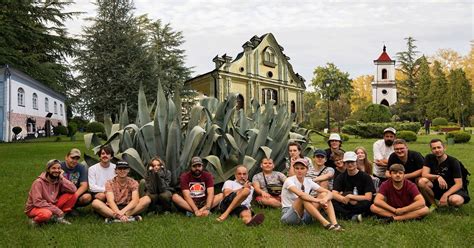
(384, 90)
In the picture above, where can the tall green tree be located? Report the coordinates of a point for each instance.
(33, 39)
(459, 94)
(437, 95)
(424, 81)
(114, 60)
(408, 66)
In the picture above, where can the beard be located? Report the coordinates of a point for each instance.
(51, 176)
(388, 142)
(196, 173)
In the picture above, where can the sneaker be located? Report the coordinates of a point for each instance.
(138, 218)
(108, 220)
(386, 220)
(338, 227)
(33, 223)
(61, 220)
(256, 220)
(357, 217)
(189, 214)
(74, 213)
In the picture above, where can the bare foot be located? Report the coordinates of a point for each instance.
(221, 218)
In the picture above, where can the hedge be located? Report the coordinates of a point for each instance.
(459, 136)
(95, 127)
(71, 129)
(375, 130)
(439, 121)
(408, 136)
(60, 130)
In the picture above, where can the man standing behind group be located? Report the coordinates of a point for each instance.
(399, 199)
(197, 190)
(412, 161)
(382, 150)
(442, 178)
(352, 190)
(264, 181)
(101, 172)
(77, 174)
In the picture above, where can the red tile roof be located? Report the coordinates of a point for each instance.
(384, 56)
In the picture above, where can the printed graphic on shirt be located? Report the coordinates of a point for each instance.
(73, 177)
(197, 189)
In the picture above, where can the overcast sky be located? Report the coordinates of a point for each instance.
(350, 34)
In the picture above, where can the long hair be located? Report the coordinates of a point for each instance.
(366, 162)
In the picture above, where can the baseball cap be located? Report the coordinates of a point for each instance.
(301, 161)
(196, 160)
(397, 167)
(319, 152)
(390, 129)
(122, 164)
(74, 152)
(350, 157)
(335, 136)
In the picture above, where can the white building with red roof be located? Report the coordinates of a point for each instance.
(384, 89)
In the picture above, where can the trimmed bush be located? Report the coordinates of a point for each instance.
(95, 127)
(60, 130)
(375, 130)
(376, 113)
(71, 129)
(439, 121)
(408, 136)
(16, 130)
(459, 136)
(344, 137)
(350, 122)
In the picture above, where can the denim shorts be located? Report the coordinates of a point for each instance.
(290, 216)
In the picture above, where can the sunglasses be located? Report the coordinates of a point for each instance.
(302, 187)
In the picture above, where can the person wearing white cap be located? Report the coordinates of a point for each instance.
(334, 143)
(352, 190)
(382, 150)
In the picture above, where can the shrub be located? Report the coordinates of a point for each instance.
(439, 121)
(95, 127)
(350, 122)
(459, 136)
(408, 136)
(16, 130)
(471, 120)
(344, 137)
(376, 113)
(71, 129)
(375, 130)
(60, 130)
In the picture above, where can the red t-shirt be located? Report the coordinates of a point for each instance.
(399, 198)
(197, 186)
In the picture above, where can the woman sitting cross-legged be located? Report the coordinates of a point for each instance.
(299, 207)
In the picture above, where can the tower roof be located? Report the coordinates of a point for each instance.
(384, 56)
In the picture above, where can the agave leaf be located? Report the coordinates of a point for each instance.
(297, 136)
(161, 121)
(190, 145)
(231, 141)
(172, 152)
(91, 139)
(143, 112)
(209, 140)
(216, 168)
(108, 125)
(124, 117)
(126, 141)
(171, 111)
(133, 159)
(308, 151)
(148, 144)
(114, 141)
(90, 161)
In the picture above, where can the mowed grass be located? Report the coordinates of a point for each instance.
(21, 163)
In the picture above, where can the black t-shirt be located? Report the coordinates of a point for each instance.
(415, 161)
(361, 180)
(448, 169)
(329, 162)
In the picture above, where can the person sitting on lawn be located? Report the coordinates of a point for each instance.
(264, 183)
(294, 151)
(442, 178)
(335, 144)
(122, 197)
(197, 190)
(157, 187)
(363, 164)
(352, 190)
(237, 197)
(101, 172)
(51, 196)
(77, 174)
(340, 168)
(382, 150)
(321, 174)
(299, 207)
(398, 198)
(412, 161)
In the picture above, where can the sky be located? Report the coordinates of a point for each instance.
(349, 34)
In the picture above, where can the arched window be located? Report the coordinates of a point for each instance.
(384, 73)
(35, 101)
(46, 104)
(55, 108)
(269, 94)
(21, 97)
(61, 109)
(385, 102)
(240, 102)
(269, 57)
(293, 107)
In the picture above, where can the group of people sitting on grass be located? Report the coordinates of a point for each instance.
(332, 184)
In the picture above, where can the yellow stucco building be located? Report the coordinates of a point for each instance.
(261, 71)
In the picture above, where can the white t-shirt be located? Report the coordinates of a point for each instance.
(234, 185)
(288, 197)
(99, 175)
(381, 151)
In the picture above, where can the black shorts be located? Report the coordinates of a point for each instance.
(227, 201)
(438, 192)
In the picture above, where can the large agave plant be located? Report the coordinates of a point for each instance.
(216, 131)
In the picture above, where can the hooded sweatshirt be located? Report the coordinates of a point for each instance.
(45, 194)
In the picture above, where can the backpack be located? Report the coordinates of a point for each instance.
(465, 176)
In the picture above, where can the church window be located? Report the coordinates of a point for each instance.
(46, 104)
(269, 57)
(269, 94)
(384, 73)
(21, 97)
(35, 101)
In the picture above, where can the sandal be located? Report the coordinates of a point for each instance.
(329, 227)
(338, 227)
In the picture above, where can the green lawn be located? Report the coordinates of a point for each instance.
(21, 162)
